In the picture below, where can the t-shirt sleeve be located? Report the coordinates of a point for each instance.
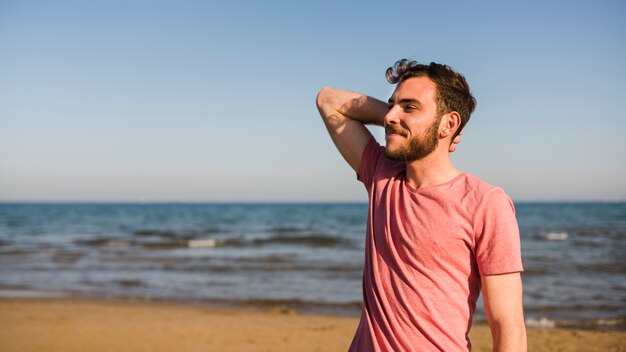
(497, 246)
(369, 162)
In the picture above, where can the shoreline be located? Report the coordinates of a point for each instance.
(352, 310)
(105, 324)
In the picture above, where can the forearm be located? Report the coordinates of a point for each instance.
(336, 105)
(509, 338)
(502, 297)
(345, 115)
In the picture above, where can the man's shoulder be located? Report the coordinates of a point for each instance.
(477, 184)
(480, 191)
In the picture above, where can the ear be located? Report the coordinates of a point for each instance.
(450, 122)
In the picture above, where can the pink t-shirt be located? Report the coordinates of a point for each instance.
(425, 252)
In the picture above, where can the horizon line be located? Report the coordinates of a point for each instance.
(285, 201)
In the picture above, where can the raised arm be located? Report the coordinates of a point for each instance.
(344, 114)
(502, 297)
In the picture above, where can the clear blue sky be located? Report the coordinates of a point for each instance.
(208, 101)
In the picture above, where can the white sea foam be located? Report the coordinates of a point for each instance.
(203, 243)
(609, 322)
(543, 323)
(557, 236)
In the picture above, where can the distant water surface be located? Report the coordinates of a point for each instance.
(303, 256)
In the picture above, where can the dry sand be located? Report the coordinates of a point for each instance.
(29, 324)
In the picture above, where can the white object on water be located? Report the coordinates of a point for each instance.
(543, 323)
(202, 243)
(557, 236)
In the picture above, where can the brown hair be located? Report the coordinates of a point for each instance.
(453, 93)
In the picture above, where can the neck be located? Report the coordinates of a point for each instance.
(434, 169)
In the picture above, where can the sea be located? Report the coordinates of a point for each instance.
(306, 257)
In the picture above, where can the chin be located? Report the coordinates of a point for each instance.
(393, 154)
(389, 145)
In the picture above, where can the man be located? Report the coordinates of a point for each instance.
(435, 235)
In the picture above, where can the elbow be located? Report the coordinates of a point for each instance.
(509, 337)
(324, 98)
(327, 105)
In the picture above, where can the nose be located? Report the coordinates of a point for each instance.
(392, 116)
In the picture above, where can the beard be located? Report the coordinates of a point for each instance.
(415, 148)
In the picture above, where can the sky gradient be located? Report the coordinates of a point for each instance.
(207, 101)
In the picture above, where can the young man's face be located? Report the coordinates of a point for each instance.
(412, 125)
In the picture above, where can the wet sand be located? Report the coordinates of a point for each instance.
(38, 324)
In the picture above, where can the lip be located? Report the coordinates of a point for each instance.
(391, 131)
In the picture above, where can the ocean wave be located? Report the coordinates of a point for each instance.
(283, 258)
(309, 240)
(156, 233)
(98, 242)
(203, 243)
(149, 239)
(166, 241)
(312, 241)
(15, 252)
(616, 324)
(542, 323)
(556, 236)
(185, 234)
(616, 233)
(67, 256)
(130, 283)
(256, 266)
(164, 244)
(285, 229)
(573, 307)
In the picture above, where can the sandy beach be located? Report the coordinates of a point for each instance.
(38, 324)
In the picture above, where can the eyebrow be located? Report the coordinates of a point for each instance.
(406, 101)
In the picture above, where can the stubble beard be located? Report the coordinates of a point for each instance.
(416, 148)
